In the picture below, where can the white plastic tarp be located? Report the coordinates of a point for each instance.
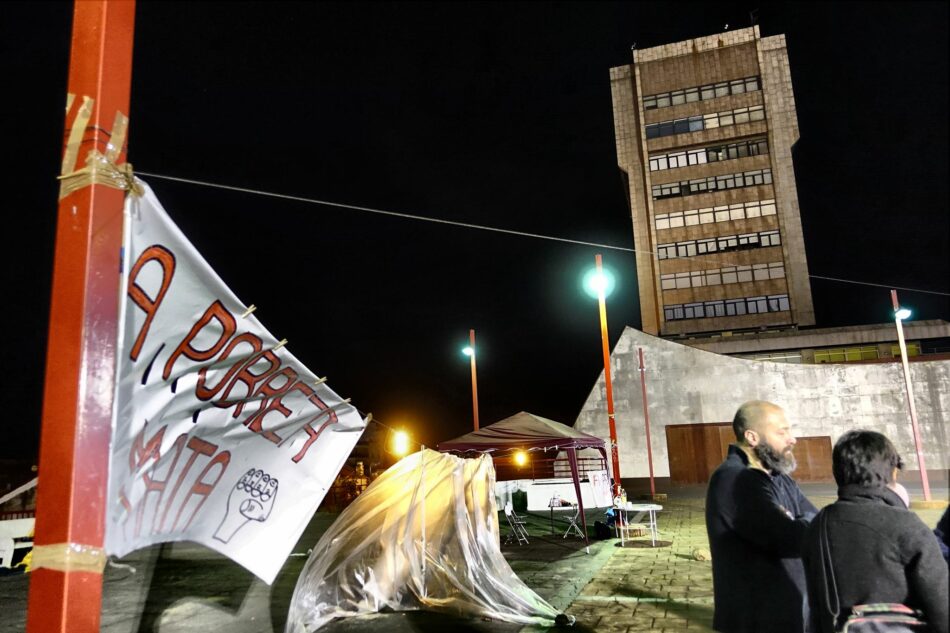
(423, 536)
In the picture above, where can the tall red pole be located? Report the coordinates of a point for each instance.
(66, 584)
(471, 342)
(602, 302)
(646, 420)
(924, 479)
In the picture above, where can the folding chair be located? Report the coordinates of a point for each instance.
(572, 523)
(516, 524)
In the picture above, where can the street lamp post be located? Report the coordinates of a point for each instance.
(899, 315)
(470, 352)
(599, 283)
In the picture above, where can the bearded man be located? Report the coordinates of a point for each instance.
(756, 517)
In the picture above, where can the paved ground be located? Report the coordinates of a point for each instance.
(183, 588)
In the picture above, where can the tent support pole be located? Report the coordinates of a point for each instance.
(572, 460)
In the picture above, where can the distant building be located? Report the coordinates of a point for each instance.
(704, 132)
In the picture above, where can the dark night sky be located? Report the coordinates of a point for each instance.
(495, 114)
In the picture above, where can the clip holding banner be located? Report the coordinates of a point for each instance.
(249, 310)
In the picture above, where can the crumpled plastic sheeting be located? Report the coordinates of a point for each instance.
(423, 536)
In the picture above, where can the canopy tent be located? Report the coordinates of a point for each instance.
(423, 536)
(529, 432)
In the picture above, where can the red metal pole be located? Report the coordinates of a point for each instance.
(924, 479)
(471, 342)
(646, 420)
(601, 300)
(66, 585)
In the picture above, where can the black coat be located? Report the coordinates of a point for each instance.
(880, 552)
(756, 523)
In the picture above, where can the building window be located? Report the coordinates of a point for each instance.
(715, 308)
(719, 276)
(712, 183)
(729, 307)
(777, 357)
(693, 311)
(735, 307)
(705, 122)
(691, 248)
(846, 354)
(913, 349)
(770, 238)
(706, 246)
(666, 251)
(701, 93)
(703, 155)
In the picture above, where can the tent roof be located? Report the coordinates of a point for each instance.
(523, 430)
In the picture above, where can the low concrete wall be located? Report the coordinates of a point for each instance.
(688, 386)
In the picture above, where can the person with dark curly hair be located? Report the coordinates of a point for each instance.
(867, 547)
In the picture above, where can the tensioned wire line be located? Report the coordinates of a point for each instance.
(397, 214)
(481, 227)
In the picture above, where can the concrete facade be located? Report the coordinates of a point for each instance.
(727, 145)
(686, 385)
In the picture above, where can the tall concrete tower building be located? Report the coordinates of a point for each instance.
(704, 131)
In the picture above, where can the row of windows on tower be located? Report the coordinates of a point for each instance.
(727, 307)
(702, 93)
(705, 121)
(712, 183)
(722, 276)
(721, 213)
(703, 155)
(721, 244)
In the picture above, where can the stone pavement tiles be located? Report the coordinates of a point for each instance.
(663, 588)
(645, 588)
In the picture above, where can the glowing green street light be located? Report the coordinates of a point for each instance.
(599, 282)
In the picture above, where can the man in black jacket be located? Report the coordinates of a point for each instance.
(756, 517)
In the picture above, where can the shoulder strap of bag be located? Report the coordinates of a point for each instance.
(828, 570)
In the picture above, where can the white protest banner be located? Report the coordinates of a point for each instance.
(600, 488)
(220, 436)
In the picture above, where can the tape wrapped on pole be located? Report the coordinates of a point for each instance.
(100, 169)
(69, 557)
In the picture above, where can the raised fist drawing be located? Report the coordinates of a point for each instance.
(252, 499)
